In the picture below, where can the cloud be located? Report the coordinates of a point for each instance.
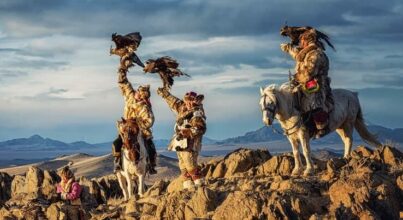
(386, 80)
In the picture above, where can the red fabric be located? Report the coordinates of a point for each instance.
(311, 84)
(195, 174)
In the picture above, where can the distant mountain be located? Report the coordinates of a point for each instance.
(266, 134)
(36, 142)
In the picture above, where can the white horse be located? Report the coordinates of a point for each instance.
(133, 147)
(278, 103)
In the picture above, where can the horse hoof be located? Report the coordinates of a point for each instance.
(308, 172)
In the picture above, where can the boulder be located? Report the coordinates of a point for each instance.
(18, 185)
(5, 187)
(33, 182)
(201, 204)
(239, 205)
(91, 194)
(50, 179)
(277, 165)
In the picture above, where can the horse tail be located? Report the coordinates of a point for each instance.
(362, 130)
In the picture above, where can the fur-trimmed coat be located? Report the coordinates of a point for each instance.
(197, 121)
(139, 110)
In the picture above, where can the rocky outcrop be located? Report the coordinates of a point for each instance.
(5, 188)
(246, 184)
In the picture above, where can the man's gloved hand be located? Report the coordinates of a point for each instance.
(285, 47)
(163, 92)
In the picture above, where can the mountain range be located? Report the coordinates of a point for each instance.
(263, 134)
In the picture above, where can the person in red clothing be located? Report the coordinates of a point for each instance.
(70, 192)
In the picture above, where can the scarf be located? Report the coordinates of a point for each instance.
(66, 186)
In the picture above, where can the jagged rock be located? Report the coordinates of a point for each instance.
(18, 185)
(364, 193)
(201, 203)
(132, 208)
(176, 185)
(277, 165)
(157, 189)
(6, 215)
(53, 212)
(50, 179)
(239, 205)
(362, 151)
(5, 187)
(241, 160)
(33, 182)
(391, 156)
(110, 187)
(91, 193)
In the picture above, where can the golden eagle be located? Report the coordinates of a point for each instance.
(125, 48)
(166, 67)
(294, 34)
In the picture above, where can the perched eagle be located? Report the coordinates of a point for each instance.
(294, 34)
(166, 67)
(125, 47)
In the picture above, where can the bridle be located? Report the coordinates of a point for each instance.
(272, 110)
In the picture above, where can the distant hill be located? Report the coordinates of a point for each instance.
(36, 142)
(266, 134)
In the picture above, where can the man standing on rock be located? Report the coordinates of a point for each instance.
(312, 66)
(137, 107)
(189, 129)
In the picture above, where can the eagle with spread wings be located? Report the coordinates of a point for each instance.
(125, 48)
(166, 67)
(294, 34)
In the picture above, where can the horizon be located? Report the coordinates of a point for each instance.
(58, 80)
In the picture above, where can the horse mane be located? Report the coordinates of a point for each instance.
(130, 139)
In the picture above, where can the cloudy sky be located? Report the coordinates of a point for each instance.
(58, 80)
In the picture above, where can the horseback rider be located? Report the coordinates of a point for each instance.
(190, 126)
(137, 107)
(311, 80)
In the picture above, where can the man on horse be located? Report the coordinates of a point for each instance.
(311, 81)
(137, 107)
(190, 127)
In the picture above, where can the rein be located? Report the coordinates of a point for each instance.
(273, 111)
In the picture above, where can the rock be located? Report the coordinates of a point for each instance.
(157, 189)
(176, 185)
(362, 151)
(277, 165)
(239, 205)
(110, 187)
(91, 193)
(53, 212)
(50, 179)
(132, 208)
(33, 182)
(5, 187)
(201, 203)
(18, 185)
(391, 156)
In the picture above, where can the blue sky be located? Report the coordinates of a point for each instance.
(58, 80)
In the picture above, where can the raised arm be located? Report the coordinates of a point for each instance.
(173, 102)
(288, 48)
(125, 86)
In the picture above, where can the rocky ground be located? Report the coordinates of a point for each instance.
(246, 184)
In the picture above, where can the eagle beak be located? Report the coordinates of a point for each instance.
(137, 60)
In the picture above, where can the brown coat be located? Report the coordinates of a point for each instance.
(141, 111)
(197, 122)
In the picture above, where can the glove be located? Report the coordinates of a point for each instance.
(163, 92)
(285, 47)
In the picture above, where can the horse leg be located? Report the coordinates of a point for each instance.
(123, 185)
(306, 148)
(297, 158)
(129, 185)
(141, 185)
(346, 134)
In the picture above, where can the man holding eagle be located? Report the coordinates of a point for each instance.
(191, 120)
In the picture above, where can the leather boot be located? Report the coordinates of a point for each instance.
(152, 156)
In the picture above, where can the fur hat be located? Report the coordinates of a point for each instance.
(65, 171)
(193, 96)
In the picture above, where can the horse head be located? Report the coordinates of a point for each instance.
(268, 104)
(128, 131)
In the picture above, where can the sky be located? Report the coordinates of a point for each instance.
(58, 80)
